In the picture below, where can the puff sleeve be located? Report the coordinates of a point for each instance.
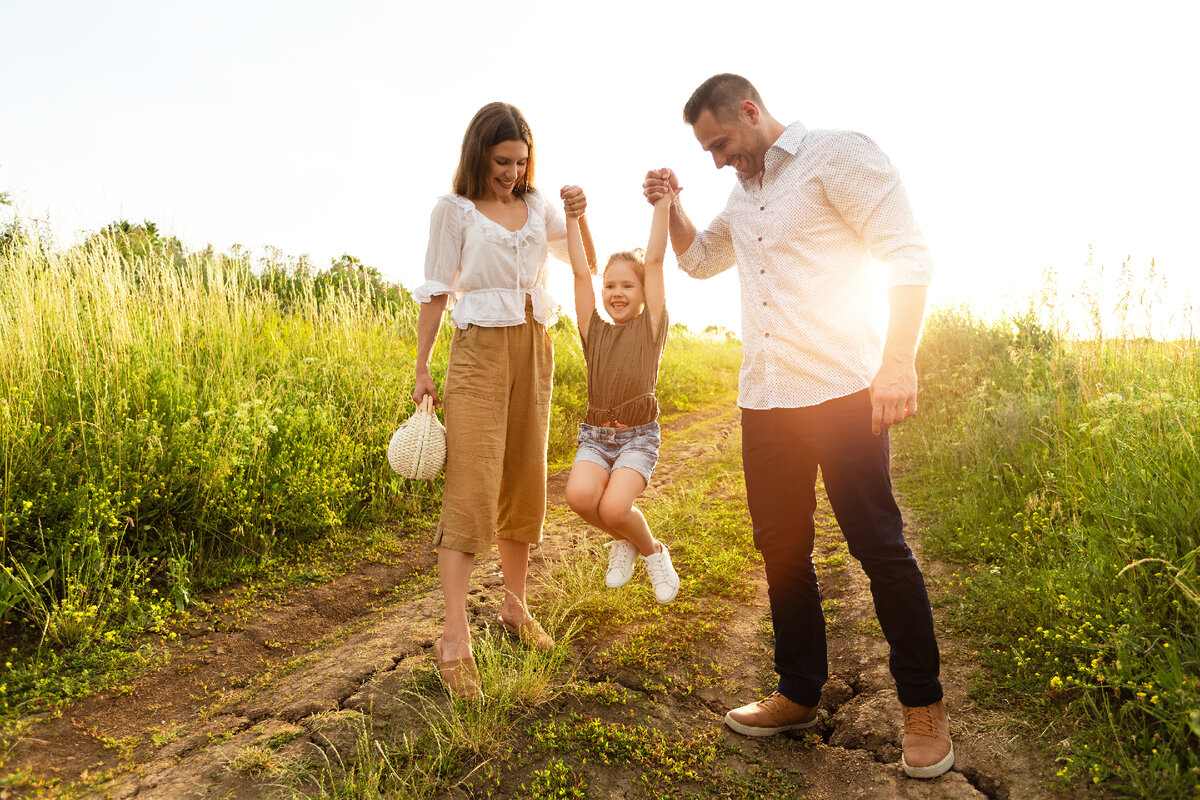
(443, 257)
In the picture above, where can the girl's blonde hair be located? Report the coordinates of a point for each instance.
(636, 256)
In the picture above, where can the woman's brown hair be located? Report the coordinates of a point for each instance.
(492, 124)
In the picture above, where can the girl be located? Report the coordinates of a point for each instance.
(619, 437)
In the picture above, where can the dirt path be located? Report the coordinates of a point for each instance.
(304, 673)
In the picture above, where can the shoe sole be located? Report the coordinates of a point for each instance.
(749, 730)
(610, 584)
(932, 771)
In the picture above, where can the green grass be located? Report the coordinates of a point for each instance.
(1062, 475)
(170, 422)
(664, 764)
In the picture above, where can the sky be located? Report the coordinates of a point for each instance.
(1031, 136)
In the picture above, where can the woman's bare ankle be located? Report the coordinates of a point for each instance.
(512, 610)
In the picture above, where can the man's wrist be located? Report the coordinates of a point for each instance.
(901, 360)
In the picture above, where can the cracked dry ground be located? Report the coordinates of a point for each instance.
(304, 672)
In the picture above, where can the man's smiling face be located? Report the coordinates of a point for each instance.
(737, 143)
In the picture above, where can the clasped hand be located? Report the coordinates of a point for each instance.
(574, 201)
(661, 183)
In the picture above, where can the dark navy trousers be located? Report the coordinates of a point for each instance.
(782, 449)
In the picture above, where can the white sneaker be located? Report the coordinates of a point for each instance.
(662, 574)
(622, 555)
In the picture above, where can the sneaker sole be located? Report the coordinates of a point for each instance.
(748, 730)
(617, 585)
(932, 771)
(674, 594)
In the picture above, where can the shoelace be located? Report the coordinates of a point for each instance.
(919, 720)
(768, 703)
(621, 555)
(657, 567)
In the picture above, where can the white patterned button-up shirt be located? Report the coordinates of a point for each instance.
(829, 201)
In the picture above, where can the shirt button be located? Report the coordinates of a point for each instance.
(762, 272)
(762, 208)
(760, 238)
(764, 302)
(766, 336)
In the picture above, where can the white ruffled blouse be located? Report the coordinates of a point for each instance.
(486, 269)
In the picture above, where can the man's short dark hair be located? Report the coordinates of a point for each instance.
(722, 95)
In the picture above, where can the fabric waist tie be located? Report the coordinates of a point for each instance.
(610, 414)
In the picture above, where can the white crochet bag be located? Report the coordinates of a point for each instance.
(418, 447)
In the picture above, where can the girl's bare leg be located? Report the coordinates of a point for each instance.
(585, 487)
(618, 513)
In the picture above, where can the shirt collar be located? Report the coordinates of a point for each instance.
(791, 137)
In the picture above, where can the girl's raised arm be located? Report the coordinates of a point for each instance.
(656, 251)
(585, 295)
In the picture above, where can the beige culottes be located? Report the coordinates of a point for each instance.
(497, 409)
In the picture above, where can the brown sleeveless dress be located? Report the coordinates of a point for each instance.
(622, 370)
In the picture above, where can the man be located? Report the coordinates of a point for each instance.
(809, 211)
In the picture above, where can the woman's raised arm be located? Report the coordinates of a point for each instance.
(581, 265)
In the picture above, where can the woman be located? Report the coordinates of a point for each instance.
(488, 243)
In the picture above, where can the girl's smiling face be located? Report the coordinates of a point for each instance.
(506, 167)
(624, 295)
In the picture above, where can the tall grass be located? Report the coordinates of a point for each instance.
(1063, 474)
(161, 416)
(172, 421)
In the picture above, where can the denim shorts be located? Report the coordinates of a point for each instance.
(635, 447)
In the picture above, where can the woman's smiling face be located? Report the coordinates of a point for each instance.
(624, 295)
(506, 167)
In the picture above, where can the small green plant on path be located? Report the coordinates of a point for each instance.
(556, 780)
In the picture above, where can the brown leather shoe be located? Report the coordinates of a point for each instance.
(530, 632)
(928, 751)
(459, 674)
(773, 715)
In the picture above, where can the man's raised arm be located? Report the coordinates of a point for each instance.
(658, 182)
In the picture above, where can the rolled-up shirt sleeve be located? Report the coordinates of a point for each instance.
(444, 254)
(711, 251)
(865, 188)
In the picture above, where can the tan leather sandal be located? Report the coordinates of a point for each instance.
(460, 675)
